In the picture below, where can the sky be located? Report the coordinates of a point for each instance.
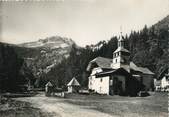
(85, 21)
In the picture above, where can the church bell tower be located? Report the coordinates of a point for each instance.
(121, 56)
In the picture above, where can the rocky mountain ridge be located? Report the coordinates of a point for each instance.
(53, 42)
(44, 54)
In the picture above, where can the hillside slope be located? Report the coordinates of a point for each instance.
(44, 54)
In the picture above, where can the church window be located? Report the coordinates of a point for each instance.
(116, 60)
(111, 82)
(101, 80)
(90, 83)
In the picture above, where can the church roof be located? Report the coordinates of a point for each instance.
(100, 62)
(134, 67)
(140, 69)
(121, 49)
(105, 63)
(113, 71)
(73, 82)
(146, 71)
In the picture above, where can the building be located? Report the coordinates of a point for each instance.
(162, 82)
(118, 75)
(73, 86)
(49, 89)
(143, 75)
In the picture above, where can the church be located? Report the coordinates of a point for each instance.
(118, 76)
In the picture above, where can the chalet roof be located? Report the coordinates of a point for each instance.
(73, 82)
(163, 72)
(49, 84)
(100, 62)
(140, 69)
(121, 49)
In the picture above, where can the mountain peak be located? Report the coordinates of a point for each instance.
(50, 42)
(54, 38)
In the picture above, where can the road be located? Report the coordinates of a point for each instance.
(58, 108)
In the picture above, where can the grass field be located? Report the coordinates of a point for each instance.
(155, 105)
(12, 108)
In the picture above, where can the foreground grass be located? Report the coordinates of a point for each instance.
(12, 108)
(155, 105)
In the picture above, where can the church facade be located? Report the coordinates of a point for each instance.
(118, 76)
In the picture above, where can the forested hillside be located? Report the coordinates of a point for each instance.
(14, 72)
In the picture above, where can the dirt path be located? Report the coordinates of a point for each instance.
(59, 108)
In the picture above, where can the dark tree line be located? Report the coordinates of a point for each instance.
(14, 72)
